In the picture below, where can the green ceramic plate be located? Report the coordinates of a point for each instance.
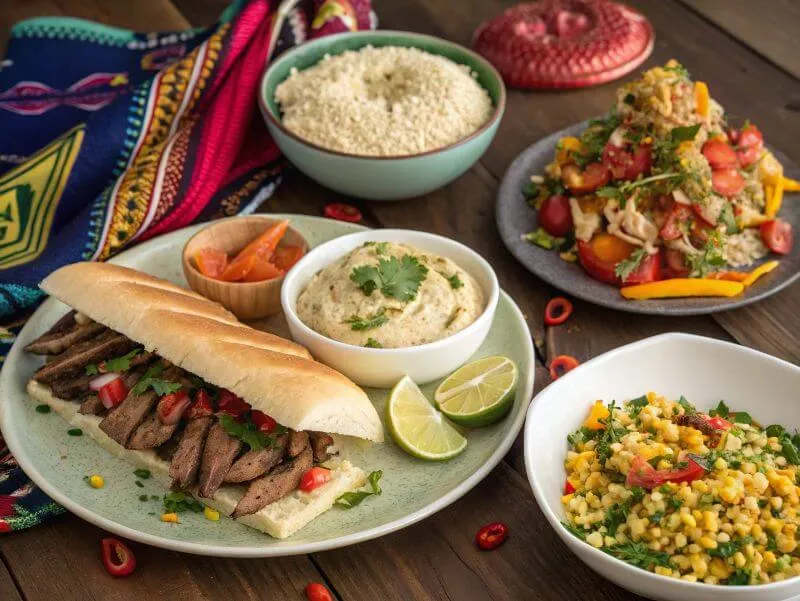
(412, 489)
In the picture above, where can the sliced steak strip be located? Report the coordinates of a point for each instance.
(77, 357)
(277, 484)
(297, 442)
(253, 464)
(151, 433)
(92, 406)
(320, 441)
(64, 333)
(74, 388)
(186, 461)
(218, 455)
(167, 450)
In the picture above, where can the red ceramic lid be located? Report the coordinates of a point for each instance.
(565, 43)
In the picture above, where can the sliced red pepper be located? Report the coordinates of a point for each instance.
(118, 559)
(343, 212)
(646, 476)
(202, 406)
(171, 407)
(557, 311)
(561, 365)
(314, 478)
(317, 592)
(113, 393)
(491, 536)
(231, 404)
(263, 421)
(568, 488)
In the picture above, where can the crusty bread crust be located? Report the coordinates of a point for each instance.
(274, 375)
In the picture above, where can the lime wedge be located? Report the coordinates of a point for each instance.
(478, 393)
(418, 427)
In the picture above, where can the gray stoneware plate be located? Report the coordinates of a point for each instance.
(412, 489)
(516, 218)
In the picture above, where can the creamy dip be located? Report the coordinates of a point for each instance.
(447, 300)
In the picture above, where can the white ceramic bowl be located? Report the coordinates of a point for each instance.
(382, 368)
(704, 370)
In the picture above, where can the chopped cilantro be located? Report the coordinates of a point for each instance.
(455, 281)
(178, 502)
(351, 499)
(43, 408)
(140, 473)
(629, 99)
(116, 364)
(639, 555)
(688, 408)
(738, 578)
(248, 433)
(151, 379)
(372, 343)
(775, 430)
(742, 417)
(143, 498)
(139, 484)
(395, 278)
(636, 405)
(75, 432)
(543, 239)
(626, 267)
(679, 70)
(380, 248)
(727, 217)
(721, 410)
(574, 530)
(684, 134)
(367, 323)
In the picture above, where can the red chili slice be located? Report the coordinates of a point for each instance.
(557, 311)
(568, 488)
(561, 365)
(118, 559)
(317, 592)
(343, 212)
(491, 536)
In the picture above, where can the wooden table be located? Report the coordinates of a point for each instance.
(750, 54)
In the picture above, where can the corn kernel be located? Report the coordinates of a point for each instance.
(707, 542)
(785, 544)
(718, 568)
(595, 539)
(688, 520)
(663, 571)
(213, 514)
(756, 531)
(96, 481)
(567, 498)
(739, 559)
(699, 566)
(170, 517)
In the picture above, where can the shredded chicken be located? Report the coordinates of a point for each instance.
(586, 223)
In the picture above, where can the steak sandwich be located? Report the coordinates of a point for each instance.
(172, 382)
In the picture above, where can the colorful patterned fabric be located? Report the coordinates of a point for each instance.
(111, 137)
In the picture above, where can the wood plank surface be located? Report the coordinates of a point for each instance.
(8, 589)
(767, 30)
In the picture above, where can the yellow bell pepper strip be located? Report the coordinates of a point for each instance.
(682, 287)
(770, 171)
(566, 147)
(774, 201)
(759, 271)
(730, 276)
(701, 98)
(599, 411)
(791, 185)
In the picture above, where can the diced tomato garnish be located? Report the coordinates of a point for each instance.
(211, 262)
(202, 406)
(777, 235)
(118, 559)
(728, 182)
(568, 488)
(113, 393)
(263, 421)
(231, 404)
(171, 407)
(719, 423)
(286, 256)
(678, 216)
(555, 216)
(625, 164)
(600, 256)
(646, 476)
(750, 145)
(262, 270)
(593, 177)
(720, 154)
(675, 264)
(314, 478)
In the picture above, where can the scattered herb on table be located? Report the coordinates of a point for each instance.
(179, 502)
(141, 473)
(139, 484)
(395, 278)
(75, 432)
(43, 408)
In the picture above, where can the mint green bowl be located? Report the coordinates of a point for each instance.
(380, 178)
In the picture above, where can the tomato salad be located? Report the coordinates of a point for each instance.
(664, 187)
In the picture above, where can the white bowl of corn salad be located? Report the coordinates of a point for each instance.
(670, 466)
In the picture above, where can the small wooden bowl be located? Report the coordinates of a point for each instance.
(246, 300)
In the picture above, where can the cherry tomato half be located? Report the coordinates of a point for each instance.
(600, 256)
(263, 421)
(314, 478)
(627, 164)
(343, 212)
(171, 407)
(645, 475)
(118, 559)
(491, 536)
(719, 423)
(231, 404)
(561, 365)
(678, 215)
(202, 406)
(675, 264)
(720, 154)
(113, 393)
(596, 175)
(557, 311)
(317, 592)
(749, 145)
(777, 235)
(555, 216)
(728, 182)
